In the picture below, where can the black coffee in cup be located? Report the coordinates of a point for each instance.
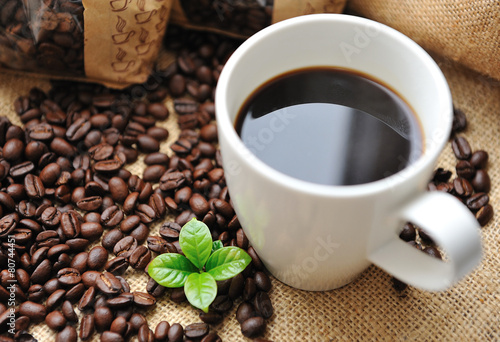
(330, 126)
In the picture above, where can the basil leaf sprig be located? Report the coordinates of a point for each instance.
(204, 263)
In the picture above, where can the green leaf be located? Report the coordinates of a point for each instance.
(196, 242)
(171, 269)
(200, 290)
(217, 244)
(227, 262)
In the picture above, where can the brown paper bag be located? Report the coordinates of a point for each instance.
(462, 30)
(242, 18)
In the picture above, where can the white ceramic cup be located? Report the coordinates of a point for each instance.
(320, 237)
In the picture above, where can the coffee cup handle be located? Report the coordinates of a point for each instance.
(452, 227)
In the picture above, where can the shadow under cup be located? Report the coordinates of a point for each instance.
(313, 236)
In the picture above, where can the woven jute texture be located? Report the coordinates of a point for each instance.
(466, 31)
(368, 309)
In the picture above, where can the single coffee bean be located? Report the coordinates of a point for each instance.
(79, 261)
(250, 289)
(160, 245)
(177, 295)
(125, 247)
(222, 304)
(459, 121)
(89, 203)
(211, 317)
(157, 203)
(130, 223)
(111, 217)
(109, 336)
(463, 188)
(68, 311)
(68, 334)
(103, 318)
(262, 281)
(88, 298)
(461, 148)
(97, 258)
(69, 276)
(34, 187)
(89, 278)
(479, 159)
(176, 333)
(35, 293)
(245, 311)
(137, 320)
(211, 337)
(118, 188)
(77, 244)
(408, 233)
(185, 106)
(196, 330)
(253, 327)
(481, 181)
(236, 287)
(119, 325)
(50, 174)
(111, 238)
(140, 257)
(465, 169)
(116, 265)
(62, 148)
(476, 201)
(75, 293)
(199, 204)
(87, 327)
(91, 230)
(36, 312)
(55, 320)
(161, 331)
(433, 251)
(263, 305)
(484, 214)
(13, 149)
(426, 239)
(108, 284)
(158, 110)
(22, 323)
(154, 289)
(42, 272)
(144, 300)
(147, 144)
(51, 286)
(55, 299)
(122, 301)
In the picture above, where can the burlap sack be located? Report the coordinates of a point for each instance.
(462, 30)
(368, 309)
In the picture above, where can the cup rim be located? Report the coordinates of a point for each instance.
(430, 154)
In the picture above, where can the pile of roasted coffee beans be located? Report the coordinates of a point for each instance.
(42, 35)
(243, 17)
(471, 186)
(73, 219)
